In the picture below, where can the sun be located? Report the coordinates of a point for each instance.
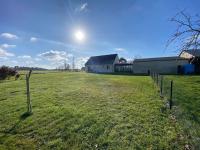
(79, 35)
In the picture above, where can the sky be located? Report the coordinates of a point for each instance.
(46, 33)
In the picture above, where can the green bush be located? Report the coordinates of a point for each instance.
(6, 72)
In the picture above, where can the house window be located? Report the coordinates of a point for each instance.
(108, 67)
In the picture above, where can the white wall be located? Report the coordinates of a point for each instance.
(100, 68)
(165, 67)
(186, 55)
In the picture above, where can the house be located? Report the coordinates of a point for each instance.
(190, 54)
(102, 64)
(188, 61)
(162, 65)
(194, 58)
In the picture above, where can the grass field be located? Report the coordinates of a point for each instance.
(86, 111)
(186, 98)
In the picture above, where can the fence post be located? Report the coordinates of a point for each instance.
(29, 106)
(161, 86)
(171, 91)
(157, 75)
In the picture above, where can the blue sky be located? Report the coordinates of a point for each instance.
(42, 32)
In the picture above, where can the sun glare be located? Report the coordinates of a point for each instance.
(80, 35)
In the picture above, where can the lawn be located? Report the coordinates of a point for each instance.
(186, 98)
(86, 111)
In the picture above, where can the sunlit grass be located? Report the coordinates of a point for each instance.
(85, 111)
(186, 99)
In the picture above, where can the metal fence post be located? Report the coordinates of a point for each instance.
(161, 86)
(171, 94)
(157, 75)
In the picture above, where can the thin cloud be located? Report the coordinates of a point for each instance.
(37, 59)
(33, 39)
(54, 55)
(7, 46)
(9, 36)
(25, 57)
(82, 8)
(4, 53)
(120, 49)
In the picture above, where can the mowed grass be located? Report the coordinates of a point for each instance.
(86, 111)
(186, 98)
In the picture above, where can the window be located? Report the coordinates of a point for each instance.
(108, 67)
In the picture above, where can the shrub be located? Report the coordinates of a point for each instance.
(6, 72)
(17, 76)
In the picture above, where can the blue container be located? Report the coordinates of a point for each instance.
(189, 69)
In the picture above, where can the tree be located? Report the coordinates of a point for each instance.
(6, 72)
(122, 60)
(187, 33)
(66, 66)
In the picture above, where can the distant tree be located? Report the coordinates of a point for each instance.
(83, 69)
(122, 60)
(66, 66)
(6, 72)
(73, 63)
(137, 56)
(187, 33)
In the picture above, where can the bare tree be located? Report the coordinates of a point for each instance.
(187, 34)
(65, 65)
(122, 60)
(73, 63)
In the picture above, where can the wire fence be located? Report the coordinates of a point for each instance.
(166, 87)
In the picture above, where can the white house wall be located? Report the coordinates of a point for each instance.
(186, 55)
(100, 68)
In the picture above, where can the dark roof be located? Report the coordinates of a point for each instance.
(101, 60)
(194, 52)
(159, 59)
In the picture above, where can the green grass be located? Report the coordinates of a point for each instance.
(186, 98)
(86, 111)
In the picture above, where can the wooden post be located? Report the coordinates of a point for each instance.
(171, 90)
(161, 86)
(29, 106)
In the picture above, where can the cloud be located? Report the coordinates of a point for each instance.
(9, 36)
(70, 55)
(4, 53)
(7, 46)
(120, 49)
(25, 57)
(37, 59)
(82, 8)
(80, 62)
(54, 55)
(33, 39)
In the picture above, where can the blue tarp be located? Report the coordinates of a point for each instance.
(189, 69)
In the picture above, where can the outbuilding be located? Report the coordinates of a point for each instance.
(102, 64)
(162, 65)
(194, 58)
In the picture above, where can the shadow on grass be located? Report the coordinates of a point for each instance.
(125, 74)
(13, 129)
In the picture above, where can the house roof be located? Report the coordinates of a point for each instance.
(101, 60)
(194, 52)
(159, 59)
